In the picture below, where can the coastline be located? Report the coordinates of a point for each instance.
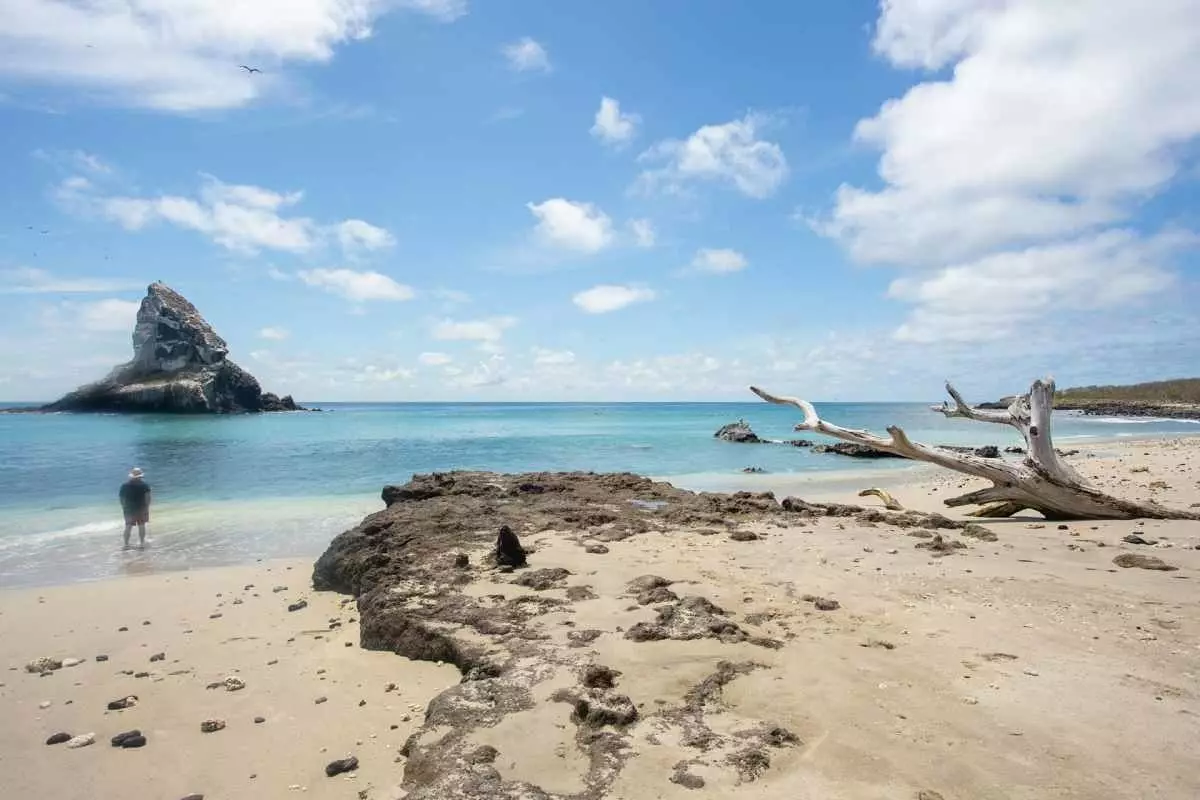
(1073, 633)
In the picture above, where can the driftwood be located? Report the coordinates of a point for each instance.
(1041, 482)
(889, 502)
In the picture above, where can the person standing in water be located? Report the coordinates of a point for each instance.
(135, 502)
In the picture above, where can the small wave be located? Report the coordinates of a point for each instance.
(70, 532)
(641, 447)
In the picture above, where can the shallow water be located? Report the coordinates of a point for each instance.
(233, 489)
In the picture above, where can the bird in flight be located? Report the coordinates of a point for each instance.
(250, 70)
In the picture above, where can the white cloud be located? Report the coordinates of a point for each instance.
(28, 280)
(611, 126)
(574, 226)
(182, 55)
(100, 316)
(526, 55)
(730, 153)
(1055, 123)
(276, 334)
(605, 298)
(644, 234)
(545, 357)
(476, 330)
(719, 261)
(355, 235)
(357, 286)
(454, 296)
(434, 359)
(486, 373)
(376, 374)
(241, 218)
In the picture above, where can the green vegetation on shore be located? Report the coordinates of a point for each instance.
(1180, 390)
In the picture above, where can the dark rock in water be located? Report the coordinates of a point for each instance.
(1015, 449)
(988, 451)
(508, 552)
(543, 579)
(120, 739)
(341, 765)
(59, 738)
(1128, 560)
(800, 442)
(179, 366)
(737, 432)
(753, 470)
(297, 606)
(853, 450)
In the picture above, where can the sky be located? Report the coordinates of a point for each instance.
(621, 200)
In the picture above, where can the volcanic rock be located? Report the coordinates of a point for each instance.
(737, 432)
(180, 365)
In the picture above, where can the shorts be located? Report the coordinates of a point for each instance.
(137, 516)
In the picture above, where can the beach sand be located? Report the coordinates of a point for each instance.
(1028, 667)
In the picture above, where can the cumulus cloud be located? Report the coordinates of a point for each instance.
(526, 55)
(581, 227)
(719, 261)
(28, 280)
(111, 315)
(434, 359)
(1055, 123)
(611, 126)
(357, 286)
(182, 55)
(240, 218)
(275, 334)
(545, 357)
(607, 297)
(490, 329)
(731, 153)
(644, 234)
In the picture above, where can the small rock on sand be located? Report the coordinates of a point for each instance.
(1133, 538)
(744, 536)
(101, 659)
(320, 700)
(259, 720)
(82, 740)
(121, 738)
(929, 794)
(59, 738)
(298, 605)
(44, 704)
(42, 665)
(72, 662)
(341, 765)
(1128, 560)
(595, 548)
(122, 703)
(233, 684)
(158, 657)
(822, 603)
(212, 725)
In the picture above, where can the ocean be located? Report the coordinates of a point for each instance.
(234, 489)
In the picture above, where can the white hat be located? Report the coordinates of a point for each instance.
(136, 472)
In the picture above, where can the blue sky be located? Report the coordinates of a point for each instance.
(457, 199)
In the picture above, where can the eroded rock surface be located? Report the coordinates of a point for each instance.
(179, 365)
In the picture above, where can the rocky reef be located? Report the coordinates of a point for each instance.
(739, 431)
(180, 365)
(441, 575)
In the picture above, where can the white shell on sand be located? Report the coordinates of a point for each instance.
(72, 662)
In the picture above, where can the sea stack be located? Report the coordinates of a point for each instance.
(180, 365)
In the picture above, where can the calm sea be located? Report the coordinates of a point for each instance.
(234, 489)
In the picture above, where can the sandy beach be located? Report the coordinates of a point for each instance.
(1026, 667)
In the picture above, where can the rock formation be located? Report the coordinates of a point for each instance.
(738, 432)
(179, 365)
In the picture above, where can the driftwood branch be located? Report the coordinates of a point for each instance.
(1042, 482)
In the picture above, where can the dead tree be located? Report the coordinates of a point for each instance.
(1041, 482)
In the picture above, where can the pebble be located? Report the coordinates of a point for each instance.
(72, 662)
(971, 701)
(121, 738)
(193, 797)
(158, 657)
(321, 699)
(259, 720)
(215, 616)
(43, 665)
(278, 589)
(101, 659)
(145, 622)
(134, 742)
(44, 704)
(124, 702)
(391, 687)
(1031, 672)
(233, 683)
(893, 551)
(59, 738)
(212, 725)
(141, 674)
(122, 629)
(341, 765)
(272, 662)
(82, 740)
(301, 604)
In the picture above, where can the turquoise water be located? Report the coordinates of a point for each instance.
(233, 489)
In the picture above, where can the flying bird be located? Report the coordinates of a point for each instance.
(250, 70)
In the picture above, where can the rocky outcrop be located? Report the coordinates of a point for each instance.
(1129, 408)
(853, 450)
(738, 432)
(180, 365)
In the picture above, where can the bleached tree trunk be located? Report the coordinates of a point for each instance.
(1041, 482)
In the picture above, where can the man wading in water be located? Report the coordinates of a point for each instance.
(135, 502)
